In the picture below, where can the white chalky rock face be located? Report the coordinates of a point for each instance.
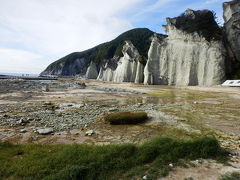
(106, 74)
(92, 72)
(128, 68)
(232, 25)
(139, 73)
(184, 59)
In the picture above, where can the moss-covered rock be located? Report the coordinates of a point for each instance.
(126, 117)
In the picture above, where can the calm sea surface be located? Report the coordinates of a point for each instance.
(19, 74)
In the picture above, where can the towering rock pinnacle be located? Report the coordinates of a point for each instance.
(126, 69)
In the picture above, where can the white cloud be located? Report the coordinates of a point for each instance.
(54, 28)
(19, 61)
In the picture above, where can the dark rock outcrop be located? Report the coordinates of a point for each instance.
(232, 25)
(232, 38)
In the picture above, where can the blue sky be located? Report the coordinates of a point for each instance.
(35, 33)
(152, 13)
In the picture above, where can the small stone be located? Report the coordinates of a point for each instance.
(235, 160)
(144, 177)
(34, 138)
(82, 84)
(46, 88)
(49, 112)
(81, 105)
(90, 132)
(20, 121)
(23, 121)
(113, 109)
(170, 165)
(47, 103)
(5, 116)
(45, 131)
(23, 130)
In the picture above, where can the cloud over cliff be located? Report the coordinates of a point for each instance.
(57, 27)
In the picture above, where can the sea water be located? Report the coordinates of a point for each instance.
(20, 74)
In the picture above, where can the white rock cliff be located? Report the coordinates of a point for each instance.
(92, 72)
(126, 69)
(184, 59)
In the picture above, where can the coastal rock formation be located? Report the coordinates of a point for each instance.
(106, 53)
(185, 58)
(126, 69)
(139, 73)
(92, 72)
(195, 52)
(66, 68)
(232, 26)
(128, 65)
(106, 72)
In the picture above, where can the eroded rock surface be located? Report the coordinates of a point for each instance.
(196, 52)
(92, 72)
(184, 58)
(232, 25)
(127, 69)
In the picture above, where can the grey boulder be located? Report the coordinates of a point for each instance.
(45, 131)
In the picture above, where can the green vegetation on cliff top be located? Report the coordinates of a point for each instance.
(203, 22)
(140, 38)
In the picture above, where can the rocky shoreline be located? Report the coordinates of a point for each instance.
(71, 111)
(69, 105)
